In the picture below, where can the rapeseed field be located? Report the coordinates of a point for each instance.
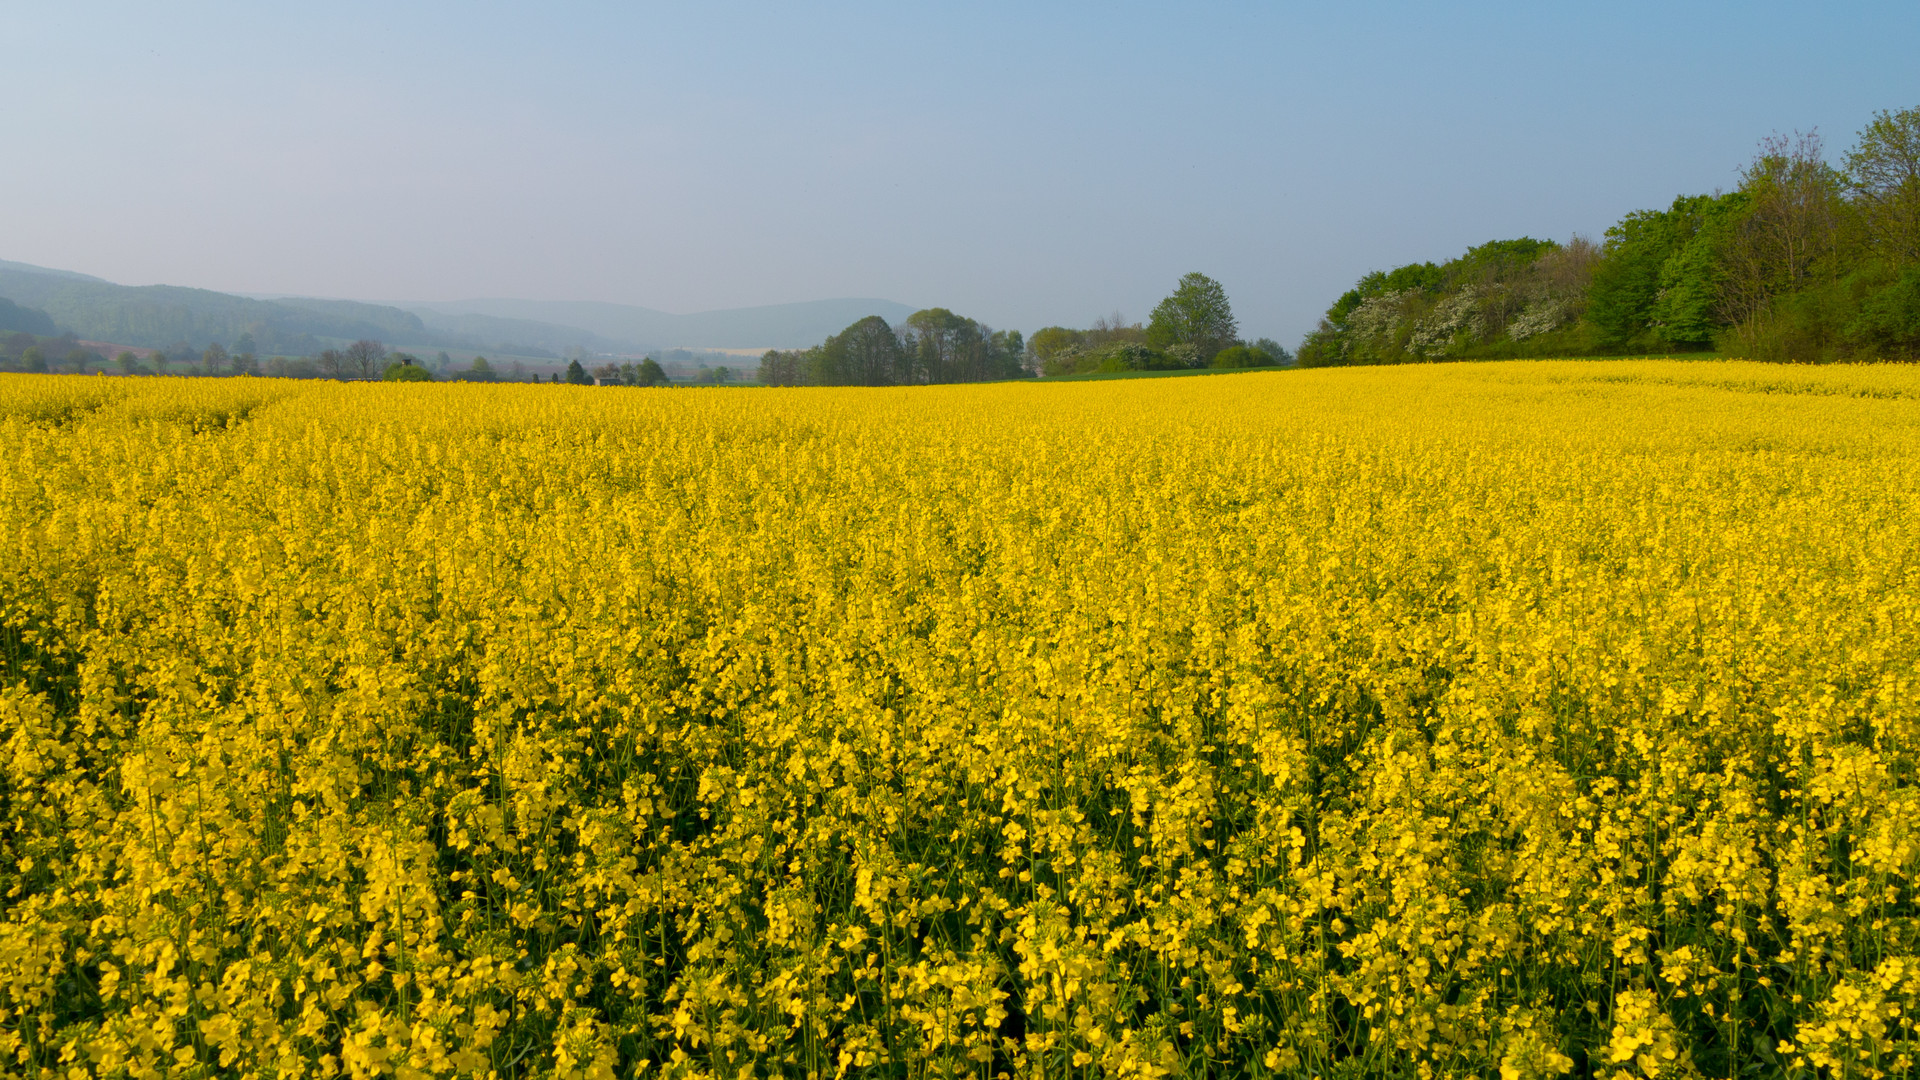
(1516, 720)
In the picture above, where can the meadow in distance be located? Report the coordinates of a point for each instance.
(1524, 720)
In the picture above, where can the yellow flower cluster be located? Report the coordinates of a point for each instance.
(1459, 721)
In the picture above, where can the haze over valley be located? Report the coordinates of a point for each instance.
(162, 316)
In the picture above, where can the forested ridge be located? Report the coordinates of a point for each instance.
(1803, 261)
(158, 316)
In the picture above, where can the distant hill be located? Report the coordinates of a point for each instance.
(15, 319)
(777, 326)
(31, 269)
(159, 316)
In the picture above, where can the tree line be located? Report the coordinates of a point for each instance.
(1804, 261)
(932, 346)
(362, 360)
(1194, 327)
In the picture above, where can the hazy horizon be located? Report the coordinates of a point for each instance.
(1023, 166)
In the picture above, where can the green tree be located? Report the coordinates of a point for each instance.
(784, 367)
(1495, 260)
(940, 344)
(479, 370)
(1049, 342)
(1274, 349)
(1126, 356)
(214, 359)
(129, 363)
(1324, 346)
(1688, 308)
(404, 369)
(1242, 356)
(942, 347)
(1007, 355)
(577, 375)
(1788, 235)
(649, 372)
(1887, 326)
(866, 353)
(1637, 264)
(1884, 173)
(1196, 319)
(33, 359)
(1422, 277)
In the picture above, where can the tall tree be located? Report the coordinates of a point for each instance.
(867, 353)
(1647, 255)
(1196, 320)
(938, 342)
(365, 358)
(779, 367)
(942, 347)
(1789, 231)
(1051, 341)
(1007, 355)
(1276, 350)
(1884, 169)
(1691, 306)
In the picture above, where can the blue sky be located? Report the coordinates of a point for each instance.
(1026, 164)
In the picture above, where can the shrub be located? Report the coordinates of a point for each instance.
(1127, 356)
(406, 370)
(1243, 356)
(1888, 326)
